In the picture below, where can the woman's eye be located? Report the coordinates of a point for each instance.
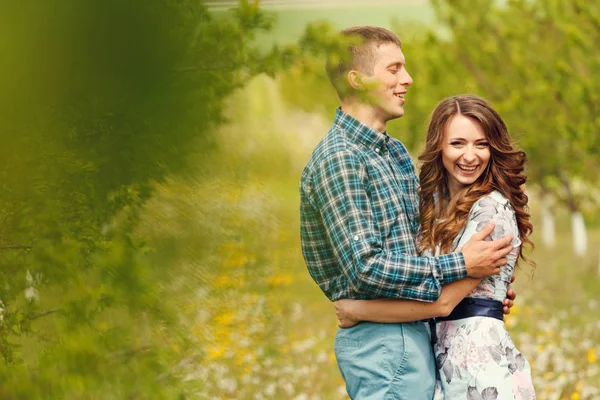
(484, 144)
(394, 71)
(456, 143)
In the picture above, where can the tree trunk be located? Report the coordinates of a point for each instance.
(579, 233)
(577, 222)
(548, 229)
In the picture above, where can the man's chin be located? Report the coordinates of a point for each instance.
(391, 113)
(397, 113)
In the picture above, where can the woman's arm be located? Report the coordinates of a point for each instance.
(349, 312)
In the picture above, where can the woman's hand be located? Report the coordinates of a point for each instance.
(345, 311)
(509, 301)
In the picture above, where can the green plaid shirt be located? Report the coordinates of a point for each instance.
(359, 219)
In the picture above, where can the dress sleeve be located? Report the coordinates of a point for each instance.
(489, 209)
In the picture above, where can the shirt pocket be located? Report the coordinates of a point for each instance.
(391, 205)
(387, 209)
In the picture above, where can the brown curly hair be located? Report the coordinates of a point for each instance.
(442, 217)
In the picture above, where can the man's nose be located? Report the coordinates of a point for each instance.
(405, 79)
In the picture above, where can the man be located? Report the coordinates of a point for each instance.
(359, 222)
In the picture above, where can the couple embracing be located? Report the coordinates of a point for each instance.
(419, 268)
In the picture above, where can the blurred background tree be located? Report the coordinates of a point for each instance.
(99, 101)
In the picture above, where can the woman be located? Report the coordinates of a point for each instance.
(471, 174)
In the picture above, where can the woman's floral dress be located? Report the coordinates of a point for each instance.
(476, 356)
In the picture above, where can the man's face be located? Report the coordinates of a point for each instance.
(386, 87)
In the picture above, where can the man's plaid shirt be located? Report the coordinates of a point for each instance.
(359, 219)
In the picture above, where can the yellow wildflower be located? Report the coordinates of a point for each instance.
(279, 280)
(229, 281)
(223, 281)
(575, 396)
(591, 356)
(215, 352)
(225, 318)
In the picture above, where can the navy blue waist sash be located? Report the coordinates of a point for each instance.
(472, 307)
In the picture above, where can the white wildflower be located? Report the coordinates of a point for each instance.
(227, 385)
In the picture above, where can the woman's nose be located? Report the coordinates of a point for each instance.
(469, 155)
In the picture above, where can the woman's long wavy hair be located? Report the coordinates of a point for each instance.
(442, 217)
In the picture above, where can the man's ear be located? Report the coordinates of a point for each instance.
(355, 80)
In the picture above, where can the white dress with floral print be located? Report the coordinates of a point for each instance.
(476, 356)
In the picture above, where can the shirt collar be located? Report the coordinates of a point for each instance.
(359, 132)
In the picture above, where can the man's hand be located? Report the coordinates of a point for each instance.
(509, 301)
(345, 313)
(485, 258)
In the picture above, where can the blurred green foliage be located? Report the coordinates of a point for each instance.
(99, 100)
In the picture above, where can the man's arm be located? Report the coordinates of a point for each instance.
(341, 183)
(350, 312)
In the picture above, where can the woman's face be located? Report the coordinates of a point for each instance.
(465, 152)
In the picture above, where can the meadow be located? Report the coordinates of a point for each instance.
(263, 329)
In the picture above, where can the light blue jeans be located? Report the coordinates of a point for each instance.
(386, 361)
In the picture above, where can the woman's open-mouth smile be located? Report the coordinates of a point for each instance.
(467, 169)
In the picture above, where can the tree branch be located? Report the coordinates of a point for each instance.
(16, 247)
(44, 313)
(570, 200)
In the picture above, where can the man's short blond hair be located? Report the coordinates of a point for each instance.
(357, 52)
